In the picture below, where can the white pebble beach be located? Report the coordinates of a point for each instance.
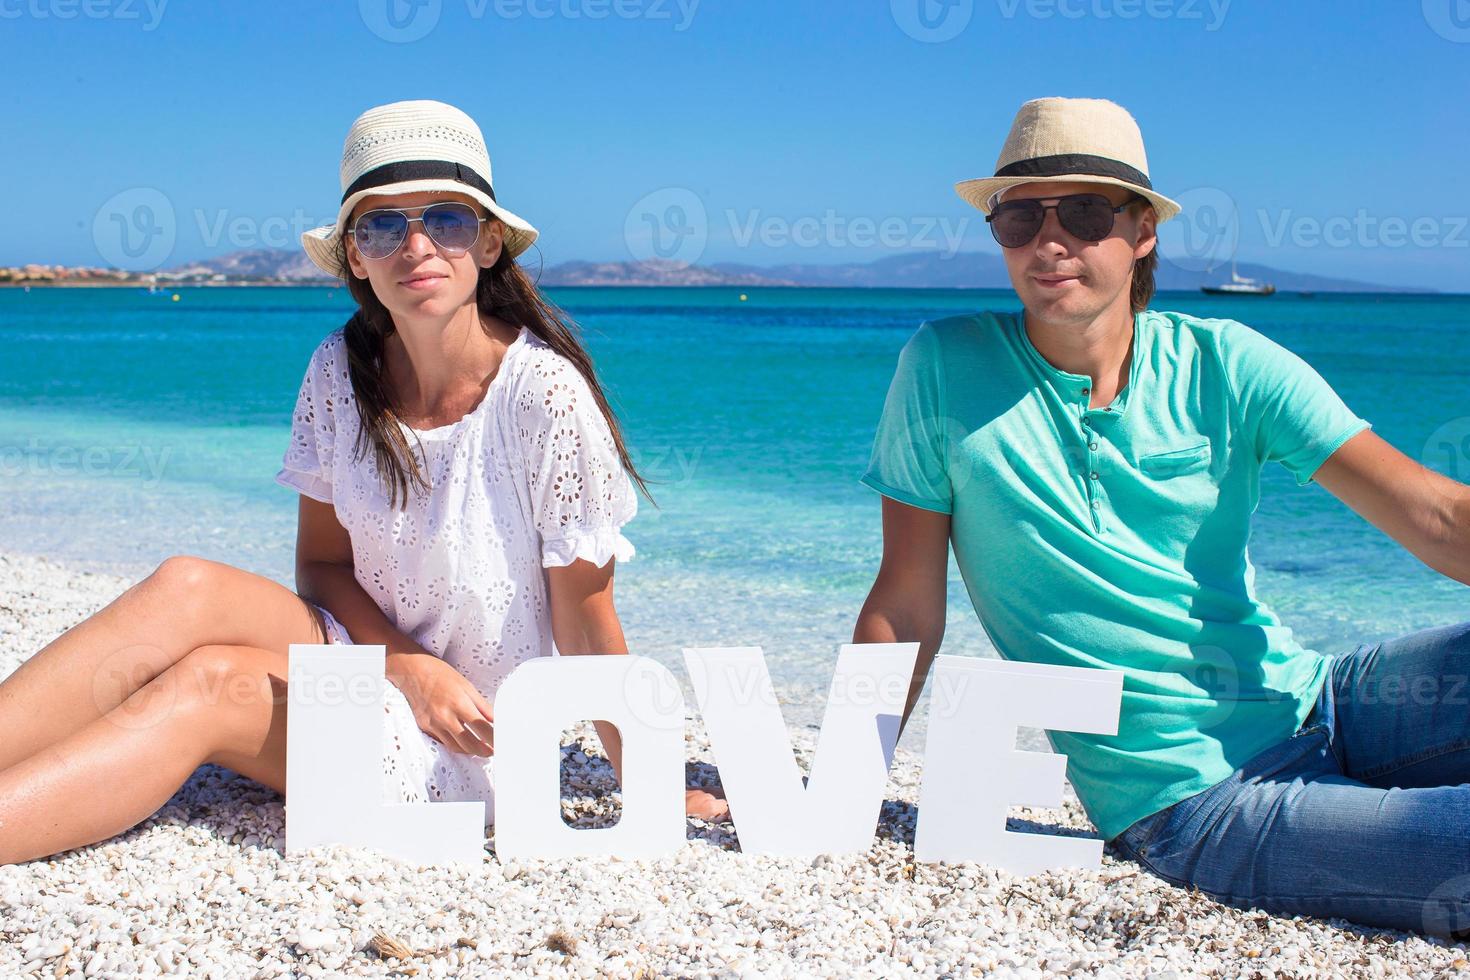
(202, 889)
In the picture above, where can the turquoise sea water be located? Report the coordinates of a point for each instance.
(133, 427)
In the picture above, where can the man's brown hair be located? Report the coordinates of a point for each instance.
(1141, 291)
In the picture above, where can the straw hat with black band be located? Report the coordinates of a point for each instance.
(1057, 140)
(404, 147)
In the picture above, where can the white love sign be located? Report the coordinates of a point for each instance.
(972, 772)
(543, 698)
(838, 808)
(334, 766)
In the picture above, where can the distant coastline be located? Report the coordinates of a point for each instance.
(167, 287)
(337, 284)
(918, 270)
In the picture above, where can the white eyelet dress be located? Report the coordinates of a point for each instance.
(528, 480)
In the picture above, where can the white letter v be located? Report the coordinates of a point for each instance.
(837, 811)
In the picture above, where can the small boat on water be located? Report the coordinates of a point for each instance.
(1239, 285)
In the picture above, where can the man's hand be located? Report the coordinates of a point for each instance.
(1426, 512)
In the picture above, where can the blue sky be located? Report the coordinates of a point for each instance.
(1334, 137)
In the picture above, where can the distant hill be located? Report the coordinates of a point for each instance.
(919, 270)
(655, 273)
(255, 263)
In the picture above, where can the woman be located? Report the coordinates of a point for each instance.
(463, 488)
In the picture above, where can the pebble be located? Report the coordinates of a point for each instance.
(179, 895)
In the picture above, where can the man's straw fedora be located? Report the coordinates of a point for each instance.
(1055, 139)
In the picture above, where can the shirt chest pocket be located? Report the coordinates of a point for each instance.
(1175, 462)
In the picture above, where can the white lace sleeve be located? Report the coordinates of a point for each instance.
(580, 493)
(307, 466)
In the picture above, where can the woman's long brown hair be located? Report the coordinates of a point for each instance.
(505, 291)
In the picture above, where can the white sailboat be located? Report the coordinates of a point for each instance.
(1240, 285)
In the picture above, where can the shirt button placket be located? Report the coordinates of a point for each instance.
(1093, 477)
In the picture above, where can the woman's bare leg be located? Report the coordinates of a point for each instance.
(219, 704)
(98, 664)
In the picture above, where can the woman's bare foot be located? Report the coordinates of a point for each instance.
(706, 803)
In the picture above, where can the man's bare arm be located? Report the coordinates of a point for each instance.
(1426, 512)
(907, 600)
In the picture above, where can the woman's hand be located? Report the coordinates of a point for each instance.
(443, 699)
(706, 803)
(448, 708)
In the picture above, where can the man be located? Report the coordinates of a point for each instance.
(1095, 465)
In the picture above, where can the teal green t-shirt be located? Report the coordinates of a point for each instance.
(1115, 537)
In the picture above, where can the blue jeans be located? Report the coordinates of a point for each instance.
(1363, 814)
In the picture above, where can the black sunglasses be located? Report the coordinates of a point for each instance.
(1085, 216)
